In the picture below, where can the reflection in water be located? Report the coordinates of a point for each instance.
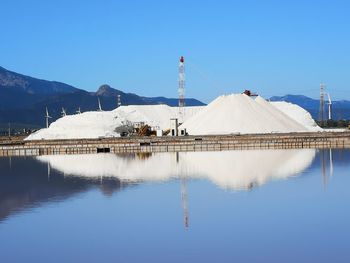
(282, 222)
(27, 182)
(326, 175)
(184, 197)
(234, 170)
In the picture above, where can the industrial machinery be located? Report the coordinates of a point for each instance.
(249, 93)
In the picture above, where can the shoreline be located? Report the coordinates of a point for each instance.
(177, 144)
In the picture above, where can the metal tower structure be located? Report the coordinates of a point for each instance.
(47, 117)
(321, 110)
(181, 89)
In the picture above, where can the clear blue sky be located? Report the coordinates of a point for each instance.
(272, 47)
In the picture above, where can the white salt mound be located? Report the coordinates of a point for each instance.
(297, 113)
(102, 124)
(239, 113)
(236, 113)
(80, 126)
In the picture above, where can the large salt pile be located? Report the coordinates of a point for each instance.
(297, 113)
(239, 113)
(103, 123)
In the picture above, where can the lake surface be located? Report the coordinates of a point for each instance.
(233, 206)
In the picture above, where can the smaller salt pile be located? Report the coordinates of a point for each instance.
(103, 123)
(297, 113)
(92, 124)
(239, 113)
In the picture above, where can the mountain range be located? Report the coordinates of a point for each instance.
(340, 109)
(24, 99)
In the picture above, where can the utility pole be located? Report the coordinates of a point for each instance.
(321, 110)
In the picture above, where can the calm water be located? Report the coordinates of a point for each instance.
(236, 206)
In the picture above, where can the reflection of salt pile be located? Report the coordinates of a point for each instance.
(103, 124)
(228, 169)
(245, 169)
(238, 113)
(298, 114)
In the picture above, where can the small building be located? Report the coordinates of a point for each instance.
(174, 127)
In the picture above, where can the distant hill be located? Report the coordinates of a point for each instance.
(340, 109)
(24, 99)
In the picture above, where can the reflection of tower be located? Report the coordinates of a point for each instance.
(326, 177)
(323, 164)
(321, 110)
(184, 201)
(48, 171)
(181, 89)
(184, 198)
(330, 163)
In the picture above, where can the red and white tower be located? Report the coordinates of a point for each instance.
(181, 89)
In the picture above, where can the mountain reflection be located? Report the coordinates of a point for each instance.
(30, 182)
(26, 183)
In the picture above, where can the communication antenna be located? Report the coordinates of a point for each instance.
(329, 106)
(47, 117)
(321, 110)
(63, 112)
(78, 111)
(99, 104)
(119, 102)
(181, 89)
